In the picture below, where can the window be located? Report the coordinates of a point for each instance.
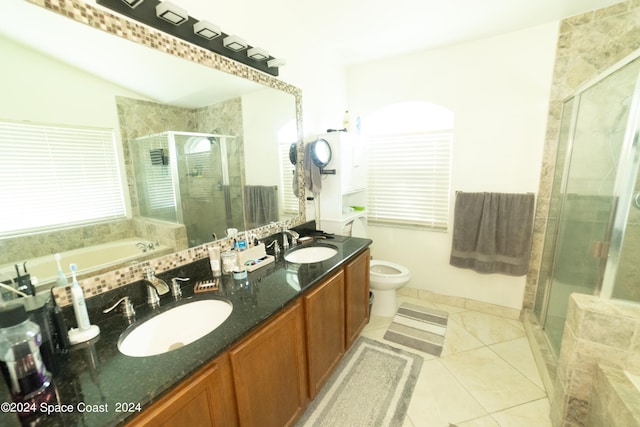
(59, 176)
(409, 165)
(288, 200)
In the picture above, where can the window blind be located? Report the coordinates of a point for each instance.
(59, 176)
(408, 179)
(288, 200)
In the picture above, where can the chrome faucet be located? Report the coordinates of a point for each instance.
(151, 245)
(127, 307)
(285, 240)
(155, 287)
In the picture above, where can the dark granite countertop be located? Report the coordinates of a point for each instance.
(96, 376)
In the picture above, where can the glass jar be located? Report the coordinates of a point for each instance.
(229, 261)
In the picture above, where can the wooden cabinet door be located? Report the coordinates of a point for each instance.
(356, 296)
(270, 372)
(324, 320)
(206, 399)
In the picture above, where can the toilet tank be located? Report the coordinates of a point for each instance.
(355, 226)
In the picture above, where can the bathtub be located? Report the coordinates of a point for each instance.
(91, 260)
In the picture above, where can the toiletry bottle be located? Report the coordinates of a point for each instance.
(61, 279)
(24, 371)
(242, 242)
(79, 304)
(214, 260)
(346, 121)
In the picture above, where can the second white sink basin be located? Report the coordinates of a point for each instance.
(310, 254)
(175, 328)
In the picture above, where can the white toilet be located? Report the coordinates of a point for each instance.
(385, 277)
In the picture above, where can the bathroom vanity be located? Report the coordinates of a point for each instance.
(290, 326)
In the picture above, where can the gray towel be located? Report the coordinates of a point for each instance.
(312, 175)
(492, 232)
(260, 205)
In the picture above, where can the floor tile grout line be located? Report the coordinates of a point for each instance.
(455, 377)
(517, 369)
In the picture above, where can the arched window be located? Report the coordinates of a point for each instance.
(409, 162)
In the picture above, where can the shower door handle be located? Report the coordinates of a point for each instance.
(600, 249)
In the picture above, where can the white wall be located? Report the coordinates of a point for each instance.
(266, 111)
(322, 79)
(498, 89)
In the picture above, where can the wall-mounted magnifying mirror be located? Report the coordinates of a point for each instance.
(321, 155)
(293, 153)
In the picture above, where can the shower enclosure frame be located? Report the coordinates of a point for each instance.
(622, 194)
(177, 156)
(171, 134)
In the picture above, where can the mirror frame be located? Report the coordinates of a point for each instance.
(119, 26)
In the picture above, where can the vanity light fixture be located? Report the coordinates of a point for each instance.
(166, 16)
(257, 54)
(234, 43)
(132, 3)
(171, 13)
(206, 29)
(276, 62)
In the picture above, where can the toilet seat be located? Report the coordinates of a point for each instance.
(387, 269)
(387, 275)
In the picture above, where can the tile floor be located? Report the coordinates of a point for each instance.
(485, 377)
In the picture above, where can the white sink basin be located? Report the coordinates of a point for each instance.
(175, 328)
(310, 254)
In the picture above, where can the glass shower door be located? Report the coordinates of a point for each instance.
(587, 201)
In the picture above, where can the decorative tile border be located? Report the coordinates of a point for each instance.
(120, 26)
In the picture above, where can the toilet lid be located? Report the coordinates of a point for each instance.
(359, 228)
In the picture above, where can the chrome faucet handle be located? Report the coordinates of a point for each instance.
(175, 286)
(127, 307)
(276, 247)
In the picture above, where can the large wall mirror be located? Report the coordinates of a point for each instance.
(229, 135)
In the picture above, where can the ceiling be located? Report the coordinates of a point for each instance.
(341, 32)
(357, 31)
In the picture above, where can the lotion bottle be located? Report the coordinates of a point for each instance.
(214, 260)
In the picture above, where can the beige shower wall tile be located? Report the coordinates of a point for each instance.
(613, 331)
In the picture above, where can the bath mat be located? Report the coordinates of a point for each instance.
(372, 386)
(419, 327)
